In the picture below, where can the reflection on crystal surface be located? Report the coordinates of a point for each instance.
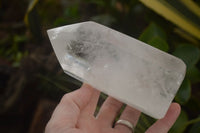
(123, 67)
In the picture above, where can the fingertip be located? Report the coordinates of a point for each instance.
(163, 125)
(176, 108)
(176, 105)
(173, 111)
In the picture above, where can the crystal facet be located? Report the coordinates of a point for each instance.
(119, 65)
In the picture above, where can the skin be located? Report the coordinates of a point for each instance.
(75, 114)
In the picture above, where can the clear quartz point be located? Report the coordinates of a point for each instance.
(127, 69)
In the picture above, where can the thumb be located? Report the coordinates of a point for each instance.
(67, 112)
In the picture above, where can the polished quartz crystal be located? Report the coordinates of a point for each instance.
(119, 65)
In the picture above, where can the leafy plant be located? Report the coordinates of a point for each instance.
(178, 34)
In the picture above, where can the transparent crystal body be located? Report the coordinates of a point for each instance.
(125, 68)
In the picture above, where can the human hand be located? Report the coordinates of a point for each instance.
(75, 114)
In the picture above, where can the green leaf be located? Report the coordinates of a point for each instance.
(180, 124)
(31, 6)
(195, 128)
(193, 104)
(193, 74)
(188, 53)
(159, 43)
(59, 22)
(195, 120)
(152, 31)
(31, 19)
(184, 92)
(155, 36)
(72, 11)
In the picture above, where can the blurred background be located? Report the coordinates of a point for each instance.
(32, 81)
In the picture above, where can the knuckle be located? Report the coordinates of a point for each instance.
(65, 99)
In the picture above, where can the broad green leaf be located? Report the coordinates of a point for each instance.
(193, 74)
(152, 31)
(159, 43)
(180, 124)
(184, 92)
(195, 128)
(188, 53)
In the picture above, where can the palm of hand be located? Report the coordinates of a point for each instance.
(75, 114)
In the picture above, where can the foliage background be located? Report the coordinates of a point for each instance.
(29, 71)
